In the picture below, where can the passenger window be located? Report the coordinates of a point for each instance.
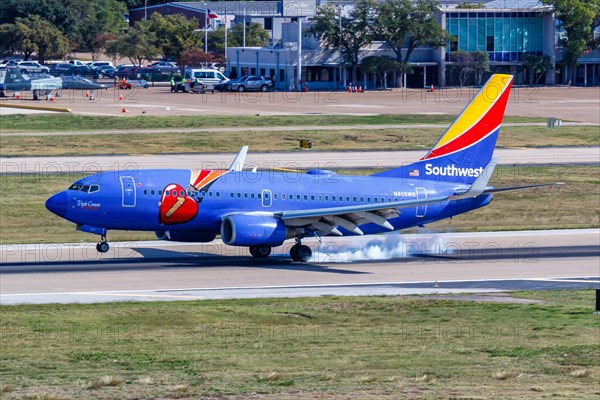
(251, 195)
(210, 194)
(259, 196)
(368, 199)
(152, 192)
(267, 196)
(167, 193)
(347, 198)
(305, 197)
(145, 192)
(298, 197)
(218, 194)
(160, 192)
(274, 196)
(326, 198)
(320, 198)
(312, 196)
(231, 195)
(362, 199)
(245, 195)
(376, 199)
(282, 196)
(382, 200)
(239, 195)
(181, 193)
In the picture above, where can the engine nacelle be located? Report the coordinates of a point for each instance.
(254, 230)
(183, 236)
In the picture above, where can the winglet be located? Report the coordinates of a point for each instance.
(238, 163)
(478, 187)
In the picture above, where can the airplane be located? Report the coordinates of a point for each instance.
(15, 81)
(262, 209)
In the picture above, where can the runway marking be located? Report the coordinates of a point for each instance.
(139, 295)
(567, 280)
(132, 292)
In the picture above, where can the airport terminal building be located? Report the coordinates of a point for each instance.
(507, 30)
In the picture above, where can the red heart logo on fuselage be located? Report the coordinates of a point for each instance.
(176, 207)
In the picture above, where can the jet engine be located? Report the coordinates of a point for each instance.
(254, 230)
(184, 236)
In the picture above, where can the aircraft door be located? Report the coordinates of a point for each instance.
(266, 198)
(421, 195)
(128, 191)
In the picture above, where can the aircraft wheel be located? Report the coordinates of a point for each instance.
(102, 247)
(294, 252)
(260, 251)
(304, 253)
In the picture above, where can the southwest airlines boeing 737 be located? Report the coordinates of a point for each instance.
(260, 209)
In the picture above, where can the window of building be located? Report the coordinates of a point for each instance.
(268, 24)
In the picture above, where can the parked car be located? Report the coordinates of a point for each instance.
(208, 77)
(105, 71)
(76, 63)
(11, 62)
(97, 64)
(27, 67)
(252, 82)
(62, 69)
(164, 67)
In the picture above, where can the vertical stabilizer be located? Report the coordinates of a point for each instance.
(467, 146)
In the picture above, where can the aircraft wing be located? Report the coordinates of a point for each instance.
(325, 220)
(508, 188)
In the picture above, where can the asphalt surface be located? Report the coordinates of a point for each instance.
(292, 160)
(566, 103)
(390, 265)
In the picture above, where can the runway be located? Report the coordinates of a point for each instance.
(292, 160)
(383, 265)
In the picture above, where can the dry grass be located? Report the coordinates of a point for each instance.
(103, 382)
(265, 141)
(425, 379)
(7, 389)
(581, 373)
(505, 375)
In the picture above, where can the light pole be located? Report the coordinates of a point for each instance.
(206, 28)
(244, 34)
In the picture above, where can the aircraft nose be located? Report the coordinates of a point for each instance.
(58, 204)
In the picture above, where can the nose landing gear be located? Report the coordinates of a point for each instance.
(102, 245)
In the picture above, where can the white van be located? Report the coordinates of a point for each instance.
(209, 77)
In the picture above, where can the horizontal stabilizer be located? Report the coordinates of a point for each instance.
(508, 188)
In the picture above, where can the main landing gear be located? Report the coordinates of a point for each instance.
(260, 251)
(102, 245)
(300, 252)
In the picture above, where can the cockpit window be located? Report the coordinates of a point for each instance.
(84, 188)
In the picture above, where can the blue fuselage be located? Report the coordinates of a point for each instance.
(131, 200)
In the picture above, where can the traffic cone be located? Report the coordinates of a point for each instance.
(349, 89)
(87, 93)
(120, 97)
(51, 97)
(360, 89)
(18, 95)
(124, 110)
(431, 89)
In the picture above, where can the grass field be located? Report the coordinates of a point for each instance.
(69, 122)
(24, 219)
(264, 141)
(326, 348)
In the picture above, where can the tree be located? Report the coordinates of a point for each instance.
(195, 58)
(537, 65)
(348, 33)
(137, 44)
(256, 35)
(40, 36)
(10, 39)
(468, 63)
(379, 66)
(576, 17)
(97, 21)
(400, 22)
(175, 34)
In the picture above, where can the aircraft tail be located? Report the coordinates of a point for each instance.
(466, 148)
(13, 76)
